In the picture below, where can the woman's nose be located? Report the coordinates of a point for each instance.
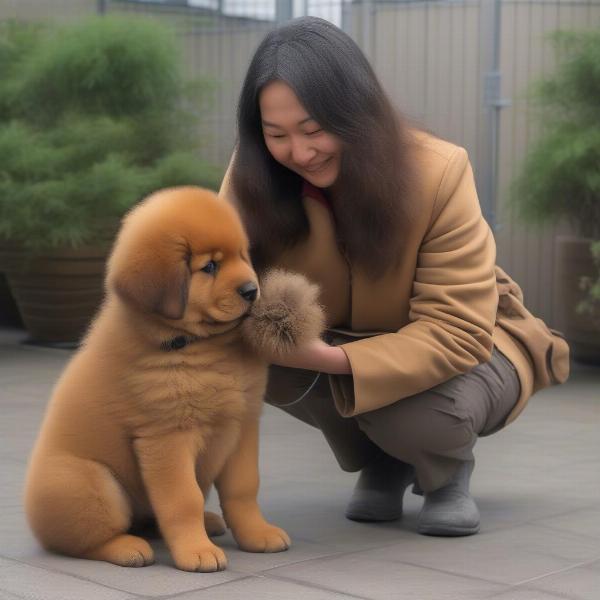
(302, 151)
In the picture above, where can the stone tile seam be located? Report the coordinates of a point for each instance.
(527, 583)
(513, 588)
(591, 506)
(587, 536)
(243, 574)
(445, 572)
(533, 523)
(244, 577)
(61, 572)
(313, 586)
(10, 595)
(390, 562)
(327, 556)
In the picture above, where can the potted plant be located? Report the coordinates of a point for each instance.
(560, 177)
(96, 116)
(590, 305)
(16, 40)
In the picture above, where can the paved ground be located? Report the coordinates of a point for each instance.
(537, 484)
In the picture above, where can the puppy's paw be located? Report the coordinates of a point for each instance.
(125, 551)
(214, 524)
(204, 558)
(262, 538)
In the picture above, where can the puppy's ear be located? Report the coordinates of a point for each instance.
(156, 282)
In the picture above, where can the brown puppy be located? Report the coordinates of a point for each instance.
(161, 401)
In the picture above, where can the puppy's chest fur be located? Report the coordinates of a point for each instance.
(194, 387)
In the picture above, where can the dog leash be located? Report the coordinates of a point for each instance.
(297, 400)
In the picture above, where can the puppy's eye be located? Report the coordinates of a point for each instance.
(210, 267)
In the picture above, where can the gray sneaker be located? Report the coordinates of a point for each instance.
(379, 491)
(451, 510)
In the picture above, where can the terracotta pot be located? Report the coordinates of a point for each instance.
(574, 261)
(57, 293)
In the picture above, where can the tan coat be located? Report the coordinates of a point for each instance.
(439, 313)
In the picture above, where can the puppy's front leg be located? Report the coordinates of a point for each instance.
(237, 485)
(168, 470)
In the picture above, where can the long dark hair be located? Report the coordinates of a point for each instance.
(336, 85)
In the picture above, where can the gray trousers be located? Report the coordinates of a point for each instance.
(434, 431)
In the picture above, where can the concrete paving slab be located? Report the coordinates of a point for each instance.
(576, 584)
(527, 594)
(370, 575)
(509, 556)
(585, 522)
(266, 588)
(537, 484)
(25, 581)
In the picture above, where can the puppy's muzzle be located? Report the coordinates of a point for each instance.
(248, 291)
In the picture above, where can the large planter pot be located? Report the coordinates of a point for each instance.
(58, 292)
(9, 313)
(574, 261)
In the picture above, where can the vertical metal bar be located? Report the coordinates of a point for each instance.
(347, 23)
(490, 22)
(367, 26)
(284, 10)
(495, 117)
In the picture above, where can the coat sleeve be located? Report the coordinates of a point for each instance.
(452, 307)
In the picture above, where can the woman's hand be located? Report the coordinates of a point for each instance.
(317, 356)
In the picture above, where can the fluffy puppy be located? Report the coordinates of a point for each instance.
(163, 398)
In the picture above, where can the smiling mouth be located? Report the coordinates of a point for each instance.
(319, 167)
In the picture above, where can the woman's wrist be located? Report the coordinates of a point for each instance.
(335, 361)
(317, 356)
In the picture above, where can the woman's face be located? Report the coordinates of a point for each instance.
(295, 139)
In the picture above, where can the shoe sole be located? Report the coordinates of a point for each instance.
(448, 531)
(370, 518)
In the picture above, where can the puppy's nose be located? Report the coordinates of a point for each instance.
(248, 291)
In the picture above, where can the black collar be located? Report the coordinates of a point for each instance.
(177, 343)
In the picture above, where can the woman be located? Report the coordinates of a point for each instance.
(429, 345)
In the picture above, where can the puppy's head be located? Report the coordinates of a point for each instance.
(182, 255)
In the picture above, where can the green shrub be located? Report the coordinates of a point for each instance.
(96, 116)
(109, 66)
(16, 42)
(590, 305)
(560, 177)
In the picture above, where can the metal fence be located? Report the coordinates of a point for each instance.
(460, 68)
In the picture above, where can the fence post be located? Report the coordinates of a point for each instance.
(102, 5)
(491, 80)
(346, 17)
(284, 10)
(367, 14)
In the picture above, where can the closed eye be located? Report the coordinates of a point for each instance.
(314, 132)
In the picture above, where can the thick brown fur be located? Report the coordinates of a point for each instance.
(287, 315)
(135, 429)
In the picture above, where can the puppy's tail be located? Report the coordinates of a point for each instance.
(286, 315)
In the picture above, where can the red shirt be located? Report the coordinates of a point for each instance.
(308, 189)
